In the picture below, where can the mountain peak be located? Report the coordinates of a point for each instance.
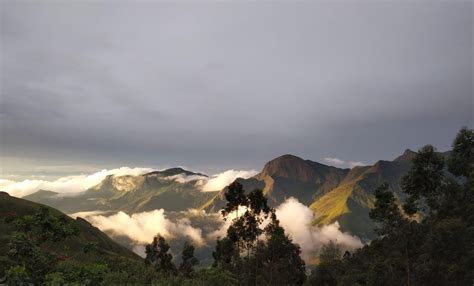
(174, 171)
(288, 166)
(408, 155)
(40, 194)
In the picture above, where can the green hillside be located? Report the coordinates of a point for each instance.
(72, 248)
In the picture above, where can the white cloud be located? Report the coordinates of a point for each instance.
(352, 164)
(222, 230)
(4, 183)
(87, 214)
(183, 178)
(334, 161)
(219, 181)
(339, 162)
(66, 185)
(296, 219)
(71, 185)
(142, 227)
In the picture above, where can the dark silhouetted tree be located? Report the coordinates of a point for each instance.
(386, 212)
(461, 160)
(188, 261)
(279, 257)
(423, 183)
(157, 255)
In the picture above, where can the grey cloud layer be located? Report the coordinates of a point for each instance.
(231, 85)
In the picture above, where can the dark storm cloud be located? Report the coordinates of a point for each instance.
(217, 85)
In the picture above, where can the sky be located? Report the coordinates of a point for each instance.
(211, 86)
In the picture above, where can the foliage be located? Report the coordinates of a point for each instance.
(157, 256)
(328, 270)
(224, 254)
(55, 279)
(188, 261)
(33, 236)
(279, 258)
(434, 249)
(274, 260)
(424, 182)
(386, 212)
(461, 161)
(17, 275)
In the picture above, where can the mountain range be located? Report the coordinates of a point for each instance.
(173, 189)
(333, 194)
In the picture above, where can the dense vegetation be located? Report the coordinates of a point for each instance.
(426, 240)
(271, 260)
(430, 241)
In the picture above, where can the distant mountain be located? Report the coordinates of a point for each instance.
(350, 202)
(72, 247)
(290, 176)
(173, 190)
(334, 194)
(175, 171)
(40, 195)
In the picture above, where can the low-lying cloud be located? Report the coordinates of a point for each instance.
(341, 163)
(219, 181)
(142, 227)
(66, 185)
(334, 161)
(71, 185)
(296, 219)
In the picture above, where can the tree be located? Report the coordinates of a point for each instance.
(423, 183)
(329, 268)
(157, 255)
(386, 212)
(245, 229)
(280, 259)
(274, 261)
(235, 196)
(188, 261)
(434, 250)
(461, 161)
(329, 253)
(225, 254)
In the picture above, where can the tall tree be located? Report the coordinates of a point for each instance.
(225, 254)
(461, 161)
(274, 261)
(280, 259)
(329, 268)
(236, 198)
(423, 183)
(188, 261)
(386, 212)
(157, 255)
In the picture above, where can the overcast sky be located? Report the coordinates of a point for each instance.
(219, 85)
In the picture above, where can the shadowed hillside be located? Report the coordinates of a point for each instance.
(73, 247)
